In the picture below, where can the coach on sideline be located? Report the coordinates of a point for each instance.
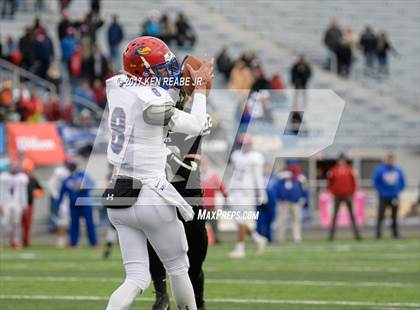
(389, 181)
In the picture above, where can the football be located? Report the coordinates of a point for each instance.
(189, 86)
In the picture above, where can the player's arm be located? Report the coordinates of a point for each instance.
(163, 112)
(63, 191)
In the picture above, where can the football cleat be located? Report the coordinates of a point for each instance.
(161, 302)
(261, 244)
(237, 254)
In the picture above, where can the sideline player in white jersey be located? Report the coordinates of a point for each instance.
(141, 202)
(246, 191)
(13, 200)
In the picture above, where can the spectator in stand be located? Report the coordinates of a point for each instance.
(260, 81)
(241, 77)
(20, 93)
(383, 46)
(31, 109)
(224, 63)
(98, 65)
(292, 195)
(151, 25)
(95, 7)
(68, 45)
(344, 59)
(350, 38)
(300, 74)
(34, 191)
(211, 184)
(85, 91)
(389, 181)
(25, 47)
(342, 184)
(54, 76)
(52, 109)
(185, 36)
(43, 53)
(64, 25)
(276, 82)
(100, 93)
(332, 39)
(8, 9)
(167, 29)
(6, 94)
(72, 187)
(368, 43)
(115, 37)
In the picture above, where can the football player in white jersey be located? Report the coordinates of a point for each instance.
(13, 200)
(247, 190)
(141, 202)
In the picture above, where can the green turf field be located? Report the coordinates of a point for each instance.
(314, 275)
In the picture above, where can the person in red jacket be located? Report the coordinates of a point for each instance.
(342, 184)
(211, 184)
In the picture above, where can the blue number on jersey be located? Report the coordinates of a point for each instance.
(117, 130)
(156, 92)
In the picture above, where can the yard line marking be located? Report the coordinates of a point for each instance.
(226, 300)
(220, 281)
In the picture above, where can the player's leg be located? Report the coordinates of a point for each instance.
(63, 220)
(16, 235)
(337, 202)
(297, 222)
(166, 234)
(356, 232)
(394, 215)
(133, 245)
(284, 208)
(197, 250)
(4, 221)
(28, 226)
(90, 225)
(381, 215)
(74, 225)
(158, 273)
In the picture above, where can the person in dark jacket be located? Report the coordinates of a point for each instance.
(224, 63)
(389, 181)
(368, 43)
(382, 49)
(342, 184)
(25, 47)
(64, 25)
(43, 52)
(115, 37)
(344, 59)
(185, 36)
(300, 75)
(332, 39)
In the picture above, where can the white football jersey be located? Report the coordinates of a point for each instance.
(56, 180)
(14, 189)
(137, 148)
(248, 171)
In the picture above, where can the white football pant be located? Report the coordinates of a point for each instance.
(151, 219)
(10, 221)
